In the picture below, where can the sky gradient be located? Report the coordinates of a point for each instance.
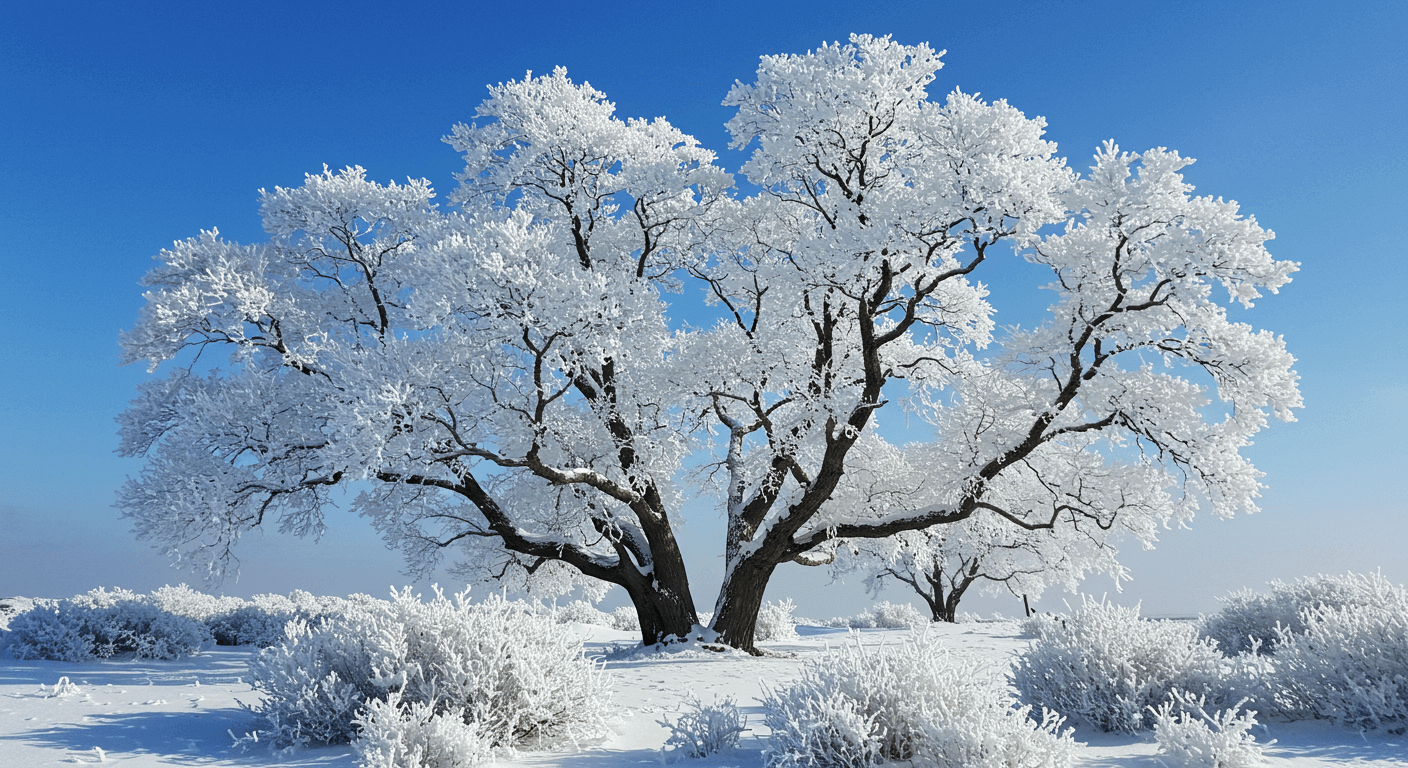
(126, 126)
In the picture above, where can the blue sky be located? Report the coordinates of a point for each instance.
(126, 126)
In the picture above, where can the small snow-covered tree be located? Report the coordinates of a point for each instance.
(941, 564)
(502, 378)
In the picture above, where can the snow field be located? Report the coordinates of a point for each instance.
(444, 683)
(152, 713)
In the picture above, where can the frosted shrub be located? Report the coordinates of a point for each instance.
(1038, 624)
(883, 615)
(101, 624)
(775, 622)
(184, 601)
(890, 615)
(1350, 665)
(624, 619)
(1107, 666)
(42, 633)
(260, 622)
(513, 673)
(1248, 618)
(1189, 737)
(855, 707)
(394, 734)
(705, 729)
(862, 620)
(581, 612)
(251, 624)
(11, 607)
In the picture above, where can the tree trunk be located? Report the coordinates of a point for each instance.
(662, 615)
(740, 597)
(943, 605)
(950, 609)
(946, 610)
(662, 598)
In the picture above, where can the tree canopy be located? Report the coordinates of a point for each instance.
(504, 379)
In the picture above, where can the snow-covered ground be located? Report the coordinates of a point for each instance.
(158, 713)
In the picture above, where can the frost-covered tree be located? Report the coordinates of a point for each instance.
(942, 563)
(503, 378)
(499, 378)
(850, 290)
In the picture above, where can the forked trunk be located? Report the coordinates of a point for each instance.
(662, 616)
(662, 600)
(739, 600)
(943, 604)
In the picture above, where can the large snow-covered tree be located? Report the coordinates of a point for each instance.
(506, 378)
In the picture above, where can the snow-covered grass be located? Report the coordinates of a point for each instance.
(704, 729)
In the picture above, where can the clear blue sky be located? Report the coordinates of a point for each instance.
(125, 126)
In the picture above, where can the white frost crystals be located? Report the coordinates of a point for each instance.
(506, 381)
(1189, 737)
(917, 702)
(389, 670)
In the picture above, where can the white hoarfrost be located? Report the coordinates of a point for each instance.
(776, 622)
(1189, 737)
(915, 701)
(1109, 668)
(704, 729)
(502, 668)
(502, 381)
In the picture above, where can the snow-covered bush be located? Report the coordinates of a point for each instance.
(862, 620)
(260, 622)
(395, 734)
(43, 633)
(1349, 665)
(1107, 666)
(775, 622)
(250, 624)
(890, 615)
(625, 619)
(581, 612)
(11, 607)
(705, 729)
(1189, 737)
(883, 615)
(101, 624)
(511, 671)
(184, 601)
(1248, 617)
(1038, 624)
(855, 707)
(967, 617)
